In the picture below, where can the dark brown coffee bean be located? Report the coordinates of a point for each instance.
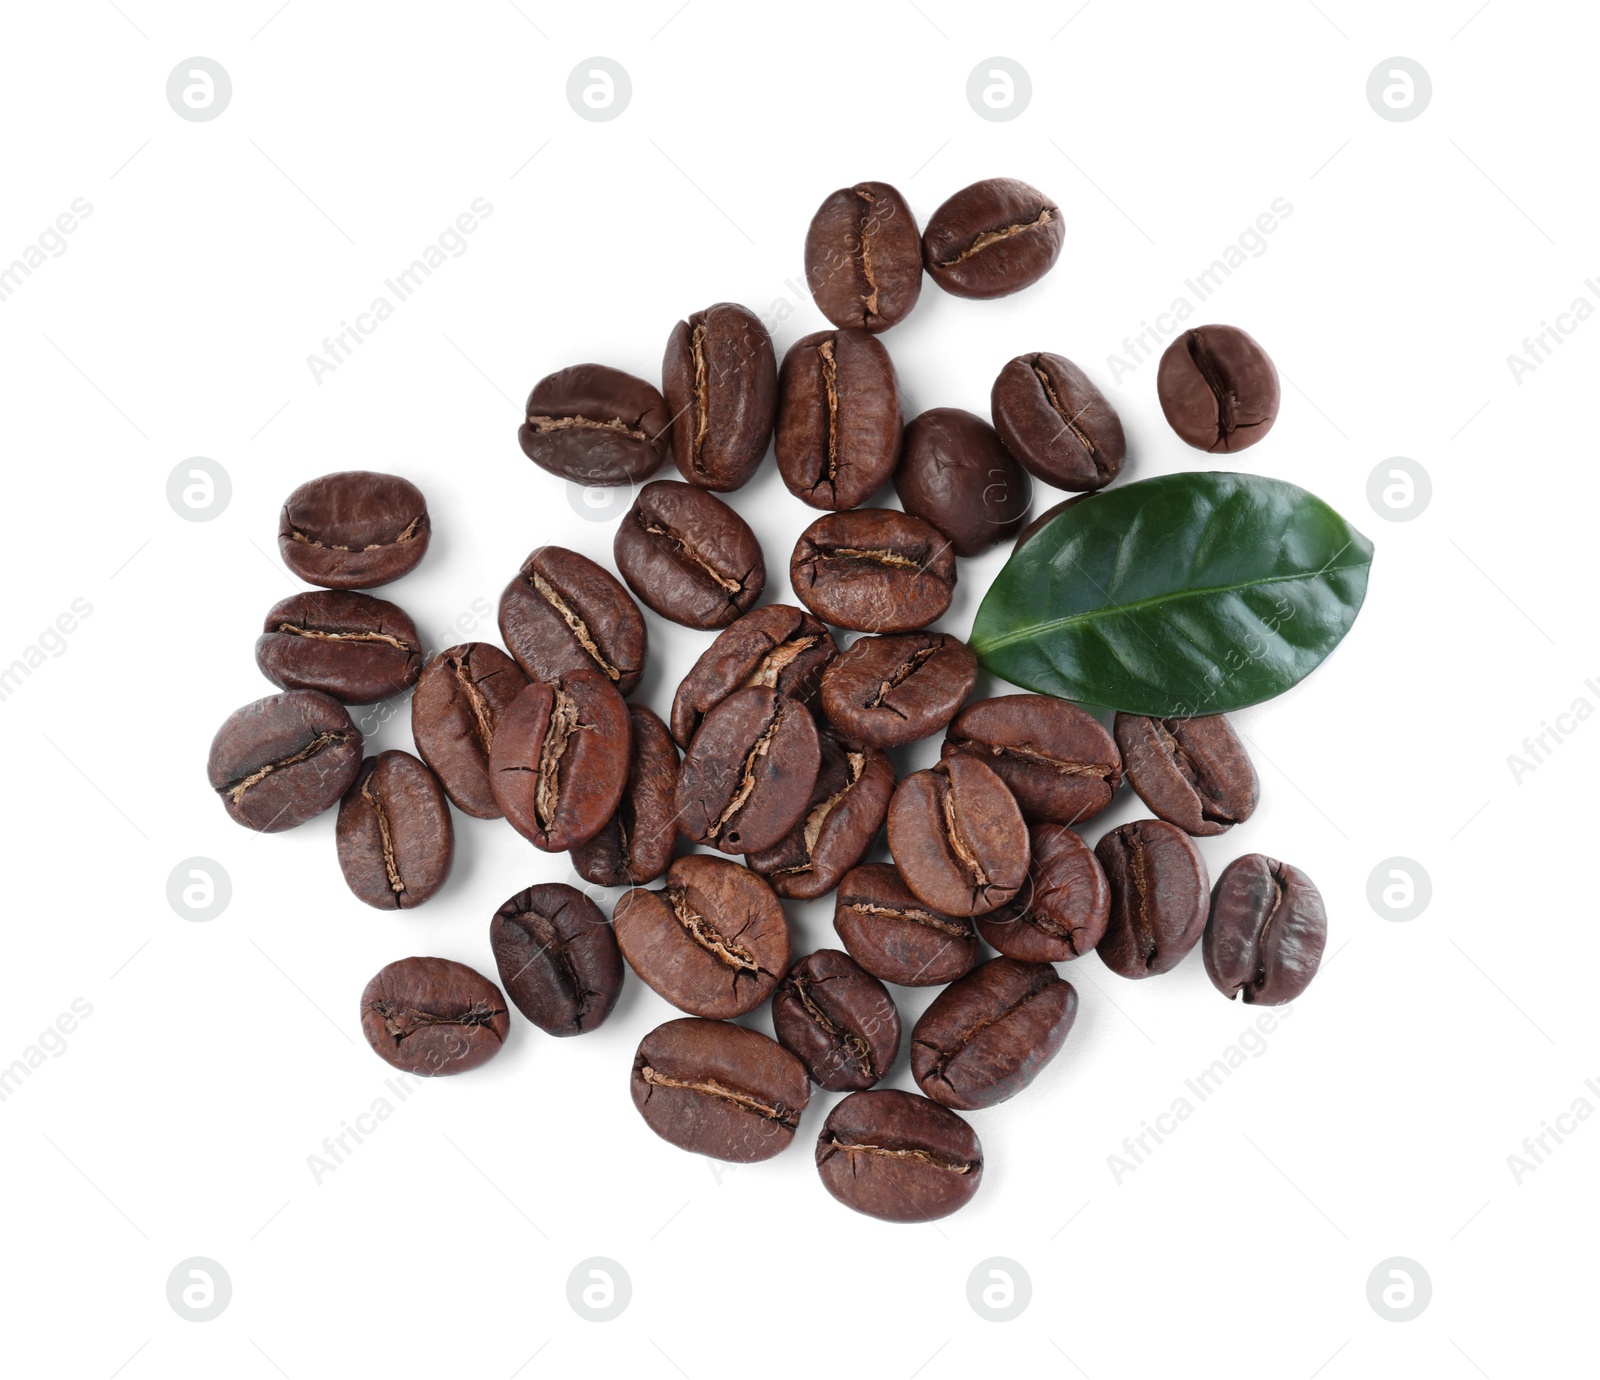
(1158, 897)
(596, 425)
(1057, 423)
(356, 648)
(433, 1016)
(1193, 773)
(898, 1157)
(1059, 762)
(718, 1089)
(395, 838)
(993, 238)
(840, 825)
(838, 1020)
(564, 613)
(894, 936)
(747, 777)
(1218, 388)
(353, 530)
(839, 421)
(864, 257)
(557, 957)
(1062, 912)
(689, 556)
(890, 691)
(1266, 933)
(777, 645)
(955, 474)
(284, 759)
(958, 837)
(714, 941)
(635, 845)
(874, 570)
(986, 1037)
(721, 380)
(459, 700)
(559, 761)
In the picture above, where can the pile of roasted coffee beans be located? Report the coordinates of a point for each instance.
(775, 747)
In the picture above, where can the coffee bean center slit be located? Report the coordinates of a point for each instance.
(574, 621)
(237, 789)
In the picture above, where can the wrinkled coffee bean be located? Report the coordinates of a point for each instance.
(592, 424)
(955, 474)
(718, 1089)
(838, 1020)
(839, 421)
(993, 238)
(459, 700)
(564, 613)
(714, 941)
(284, 759)
(898, 1157)
(1059, 762)
(557, 957)
(353, 530)
(1266, 933)
(1062, 912)
(890, 691)
(1193, 773)
(1218, 388)
(689, 556)
(721, 380)
(432, 1016)
(894, 936)
(636, 843)
(395, 838)
(874, 570)
(958, 837)
(1036, 525)
(864, 257)
(1057, 423)
(356, 648)
(1159, 897)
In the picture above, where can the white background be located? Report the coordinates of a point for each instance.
(1377, 1122)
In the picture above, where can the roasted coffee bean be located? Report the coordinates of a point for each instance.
(838, 1020)
(1062, 912)
(395, 838)
(459, 700)
(1266, 933)
(1057, 423)
(717, 1089)
(840, 825)
(864, 257)
(894, 936)
(353, 530)
(985, 1038)
(839, 421)
(689, 556)
(777, 645)
(595, 425)
(958, 837)
(955, 474)
(558, 958)
(433, 1016)
(721, 380)
(890, 691)
(874, 570)
(1218, 388)
(747, 777)
(1193, 773)
(284, 759)
(714, 941)
(564, 613)
(559, 761)
(1158, 897)
(635, 845)
(898, 1157)
(993, 238)
(356, 648)
(1059, 762)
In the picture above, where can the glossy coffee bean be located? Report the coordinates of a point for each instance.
(898, 1157)
(1158, 897)
(563, 613)
(636, 843)
(557, 957)
(1036, 525)
(354, 529)
(874, 570)
(894, 936)
(955, 474)
(721, 380)
(720, 1090)
(1059, 762)
(1218, 388)
(432, 1016)
(396, 842)
(1193, 773)
(838, 1020)
(890, 691)
(714, 941)
(592, 424)
(1057, 423)
(958, 837)
(460, 698)
(284, 759)
(993, 238)
(839, 421)
(356, 648)
(1062, 912)
(986, 1037)
(864, 257)
(1267, 930)
(689, 556)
